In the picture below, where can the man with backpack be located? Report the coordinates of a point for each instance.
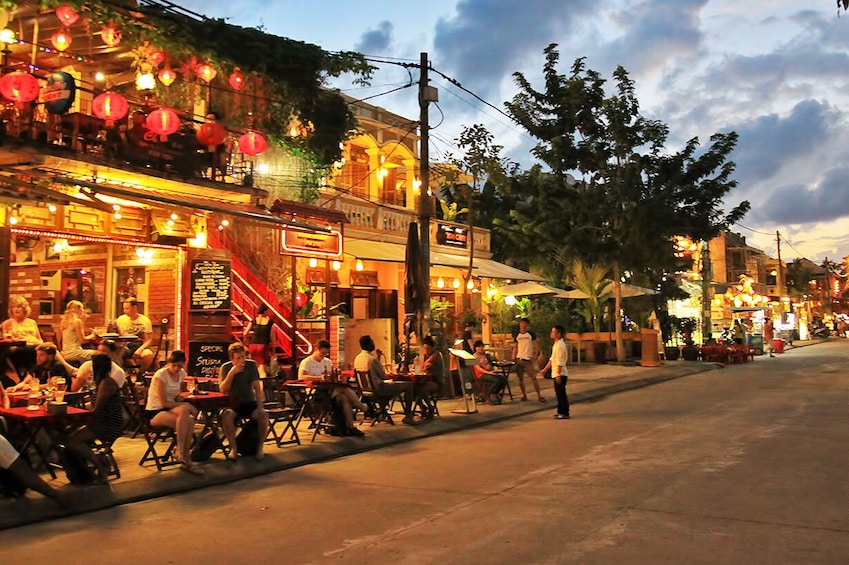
(240, 379)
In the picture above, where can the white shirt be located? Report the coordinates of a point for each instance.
(309, 367)
(559, 356)
(171, 389)
(117, 373)
(525, 345)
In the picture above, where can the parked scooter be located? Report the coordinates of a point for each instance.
(820, 330)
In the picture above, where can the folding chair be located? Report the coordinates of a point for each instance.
(102, 449)
(377, 403)
(132, 407)
(154, 435)
(278, 413)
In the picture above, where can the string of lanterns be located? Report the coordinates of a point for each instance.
(22, 87)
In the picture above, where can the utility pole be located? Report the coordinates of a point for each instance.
(782, 288)
(427, 94)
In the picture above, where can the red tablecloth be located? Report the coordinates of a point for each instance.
(24, 414)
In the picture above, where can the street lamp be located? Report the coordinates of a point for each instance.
(7, 37)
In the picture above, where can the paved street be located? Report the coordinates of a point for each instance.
(740, 465)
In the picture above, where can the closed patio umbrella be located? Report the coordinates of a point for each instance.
(415, 287)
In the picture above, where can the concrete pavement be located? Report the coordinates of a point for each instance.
(587, 382)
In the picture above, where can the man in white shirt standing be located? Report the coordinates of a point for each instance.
(557, 363)
(524, 355)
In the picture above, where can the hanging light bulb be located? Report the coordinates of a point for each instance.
(313, 262)
(7, 36)
(359, 265)
(336, 265)
(456, 283)
(61, 40)
(51, 208)
(145, 81)
(440, 283)
(167, 76)
(470, 285)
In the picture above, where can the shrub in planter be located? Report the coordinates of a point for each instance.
(671, 353)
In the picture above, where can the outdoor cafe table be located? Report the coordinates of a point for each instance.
(504, 367)
(32, 422)
(425, 404)
(313, 397)
(209, 405)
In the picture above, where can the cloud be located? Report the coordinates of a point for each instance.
(376, 41)
(487, 40)
(656, 31)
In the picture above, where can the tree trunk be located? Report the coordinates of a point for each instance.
(617, 292)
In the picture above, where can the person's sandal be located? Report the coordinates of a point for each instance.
(541, 399)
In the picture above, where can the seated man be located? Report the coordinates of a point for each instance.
(367, 361)
(317, 367)
(84, 373)
(46, 367)
(239, 378)
(134, 323)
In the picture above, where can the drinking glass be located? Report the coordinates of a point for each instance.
(191, 385)
(34, 401)
(60, 389)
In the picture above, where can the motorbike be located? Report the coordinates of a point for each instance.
(820, 331)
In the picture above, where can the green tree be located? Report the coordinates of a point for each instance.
(631, 196)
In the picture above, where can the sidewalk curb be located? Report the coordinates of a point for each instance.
(31, 511)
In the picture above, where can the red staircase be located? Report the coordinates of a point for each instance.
(248, 293)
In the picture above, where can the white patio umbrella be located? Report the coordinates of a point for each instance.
(628, 291)
(528, 289)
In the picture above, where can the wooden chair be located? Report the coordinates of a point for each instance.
(278, 413)
(157, 436)
(104, 450)
(379, 404)
(133, 406)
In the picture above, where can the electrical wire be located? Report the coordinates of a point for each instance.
(753, 230)
(402, 87)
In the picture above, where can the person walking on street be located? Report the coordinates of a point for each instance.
(557, 364)
(524, 354)
(769, 334)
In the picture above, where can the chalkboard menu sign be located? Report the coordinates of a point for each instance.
(210, 285)
(206, 357)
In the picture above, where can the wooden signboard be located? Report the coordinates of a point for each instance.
(206, 357)
(210, 285)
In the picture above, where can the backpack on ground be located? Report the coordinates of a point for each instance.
(205, 446)
(247, 442)
(76, 468)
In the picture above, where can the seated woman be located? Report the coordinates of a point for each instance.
(108, 422)
(434, 367)
(165, 409)
(484, 373)
(73, 334)
(19, 326)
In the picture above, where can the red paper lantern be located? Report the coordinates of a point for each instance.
(156, 57)
(19, 87)
(300, 300)
(237, 79)
(211, 134)
(110, 106)
(252, 143)
(110, 35)
(163, 121)
(67, 15)
(61, 40)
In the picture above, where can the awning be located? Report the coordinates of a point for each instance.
(395, 253)
(135, 194)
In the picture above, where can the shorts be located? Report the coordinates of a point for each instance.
(8, 454)
(149, 414)
(245, 409)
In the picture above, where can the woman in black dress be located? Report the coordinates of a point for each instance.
(108, 422)
(262, 342)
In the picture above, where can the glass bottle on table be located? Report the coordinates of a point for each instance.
(61, 385)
